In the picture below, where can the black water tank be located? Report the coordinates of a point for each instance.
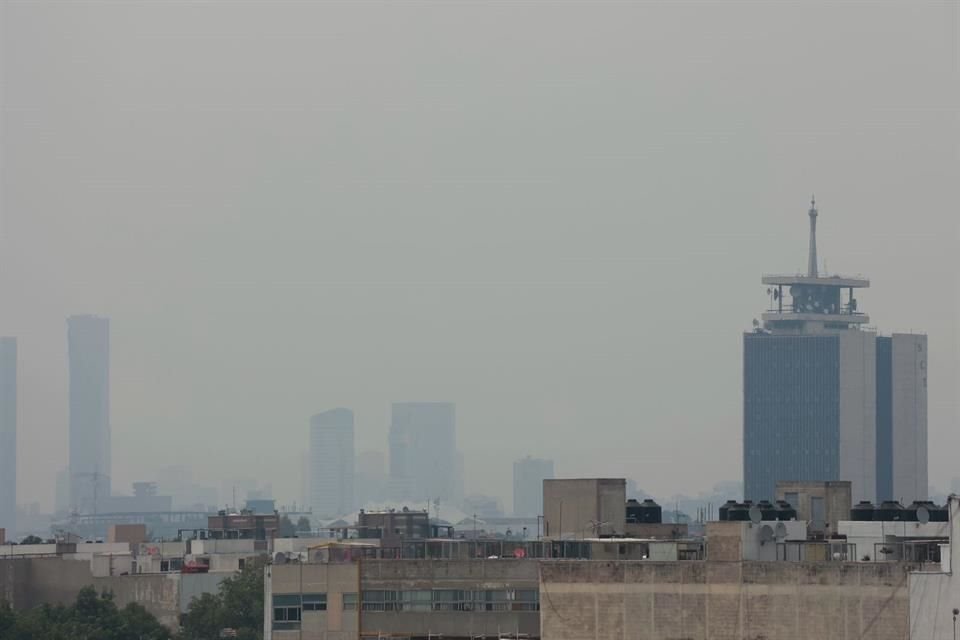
(863, 511)
(633, 510)
(910, 511)
(768, 510)
(785, 511)
(739, 512)
(888, 511)
(725, 509)
(650, 512)
(938, 513)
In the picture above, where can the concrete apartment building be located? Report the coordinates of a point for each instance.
(332, 463)
(402, 599)
(8, 436)
(88, 341)
(825, 398)
(424, 461)
(528, 476)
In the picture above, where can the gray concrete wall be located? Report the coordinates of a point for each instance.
(722, 600)
(30, 582)
(570, 506)
(836, 495)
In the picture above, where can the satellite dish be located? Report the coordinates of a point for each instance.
(279, 558)
(923, 515)
(755, 515)
(781, 530)
(776, 294)
(766, 534)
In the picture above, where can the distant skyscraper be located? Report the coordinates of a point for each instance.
(331, 463)
(88, 341)
(826, 399)
(424, 463)
(8, 436)
(528, 476)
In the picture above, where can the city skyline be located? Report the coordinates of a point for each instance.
(563, 240)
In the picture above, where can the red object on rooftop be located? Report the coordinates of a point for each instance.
(195, 567)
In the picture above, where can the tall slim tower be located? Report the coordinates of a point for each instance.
(332, 463)
(88, 341)
(824, 398)
(8, 436)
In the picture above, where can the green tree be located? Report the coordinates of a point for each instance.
(303, 525)
(91, 616)
(32, 540)
(204, 618)
(238, 605)
(286, 528)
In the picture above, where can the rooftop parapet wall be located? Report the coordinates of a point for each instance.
(723, 600)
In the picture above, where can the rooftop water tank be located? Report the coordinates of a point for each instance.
(633, 510)
(725, 509)
(768, 510)
(739, 512)
(889, 511)
(863, 511)
(785, 511)
(650, 512)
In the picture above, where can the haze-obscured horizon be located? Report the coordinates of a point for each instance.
(554, 215)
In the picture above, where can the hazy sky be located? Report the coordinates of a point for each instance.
(555, 215)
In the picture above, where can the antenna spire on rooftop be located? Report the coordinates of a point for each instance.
(812, 259)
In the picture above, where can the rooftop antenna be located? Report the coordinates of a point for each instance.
(812, 260)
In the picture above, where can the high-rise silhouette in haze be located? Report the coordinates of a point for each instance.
(8, 436)
(424, 462)
(88, 341)
(332, 463)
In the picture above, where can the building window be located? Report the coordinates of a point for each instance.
(314, 602)
(817, 511)
(380, 600)
(349, 602)
(286, 612)
(173, 564)
(417, 600)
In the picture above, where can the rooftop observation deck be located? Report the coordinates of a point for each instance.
(844, 282)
